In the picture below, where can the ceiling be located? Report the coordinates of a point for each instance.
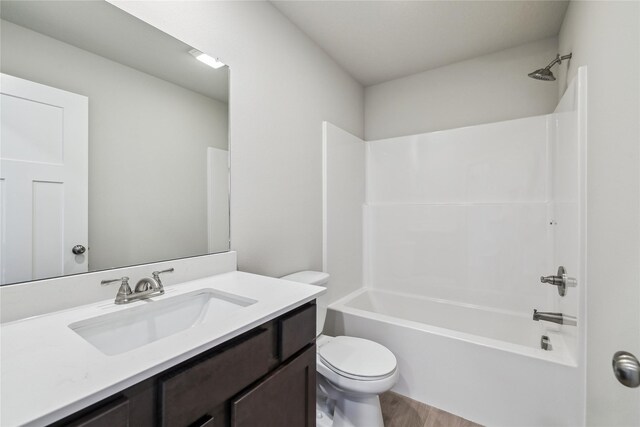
(105, 30)
(377, 41)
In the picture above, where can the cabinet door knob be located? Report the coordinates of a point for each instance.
(626, 369)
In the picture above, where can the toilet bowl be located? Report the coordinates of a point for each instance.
(351, 372)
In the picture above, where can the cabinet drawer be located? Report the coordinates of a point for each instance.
(113, 414)
(190, 394)
(296, 331)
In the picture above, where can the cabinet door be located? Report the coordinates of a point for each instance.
(287, 397)
(297, 329)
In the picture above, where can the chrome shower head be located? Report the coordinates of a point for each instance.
(545, 73)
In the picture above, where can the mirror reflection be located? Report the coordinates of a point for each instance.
(114, 142)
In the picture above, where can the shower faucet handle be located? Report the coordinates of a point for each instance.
(552, 280)
(561, 280)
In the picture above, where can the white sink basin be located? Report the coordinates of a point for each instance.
(151, 320)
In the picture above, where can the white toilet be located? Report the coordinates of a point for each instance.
(352, 372)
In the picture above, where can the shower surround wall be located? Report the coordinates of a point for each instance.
(457, 228)
(462, 215)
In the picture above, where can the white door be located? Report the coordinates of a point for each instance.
(218, 199)
(43, 181)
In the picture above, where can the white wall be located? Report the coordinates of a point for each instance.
(484, 89)
(605, 36)
(282, 87)
(147, 144)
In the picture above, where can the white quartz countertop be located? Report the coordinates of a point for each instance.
(48, 371)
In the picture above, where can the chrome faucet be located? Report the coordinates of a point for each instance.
(145, 288)
(559, 318)
(147, 284)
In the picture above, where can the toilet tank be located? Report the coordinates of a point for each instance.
(317, 278)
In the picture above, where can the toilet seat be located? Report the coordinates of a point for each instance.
(357, 387)
(357, 358)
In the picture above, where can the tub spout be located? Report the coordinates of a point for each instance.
(558, 318)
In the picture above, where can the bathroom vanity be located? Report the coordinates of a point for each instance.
(265, 377)
(253, 365)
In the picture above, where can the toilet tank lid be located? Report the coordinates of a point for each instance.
(311, 277)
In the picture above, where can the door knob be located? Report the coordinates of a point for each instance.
(626, 369)
(78, 249)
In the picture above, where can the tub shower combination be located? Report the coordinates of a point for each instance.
(454, 230)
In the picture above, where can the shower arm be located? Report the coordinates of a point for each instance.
(558, 60)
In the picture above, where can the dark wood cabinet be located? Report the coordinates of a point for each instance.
(296, 329)
(188, 394)
(285, 398)
(264, 377)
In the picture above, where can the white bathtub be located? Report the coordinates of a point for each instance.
(485, 365)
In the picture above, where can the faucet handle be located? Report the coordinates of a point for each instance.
(168, 270)
(156, 277)
(124, 281)
(552, 280)
(123, 292)
(561, 280)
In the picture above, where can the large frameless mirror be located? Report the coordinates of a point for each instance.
(113, 145)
